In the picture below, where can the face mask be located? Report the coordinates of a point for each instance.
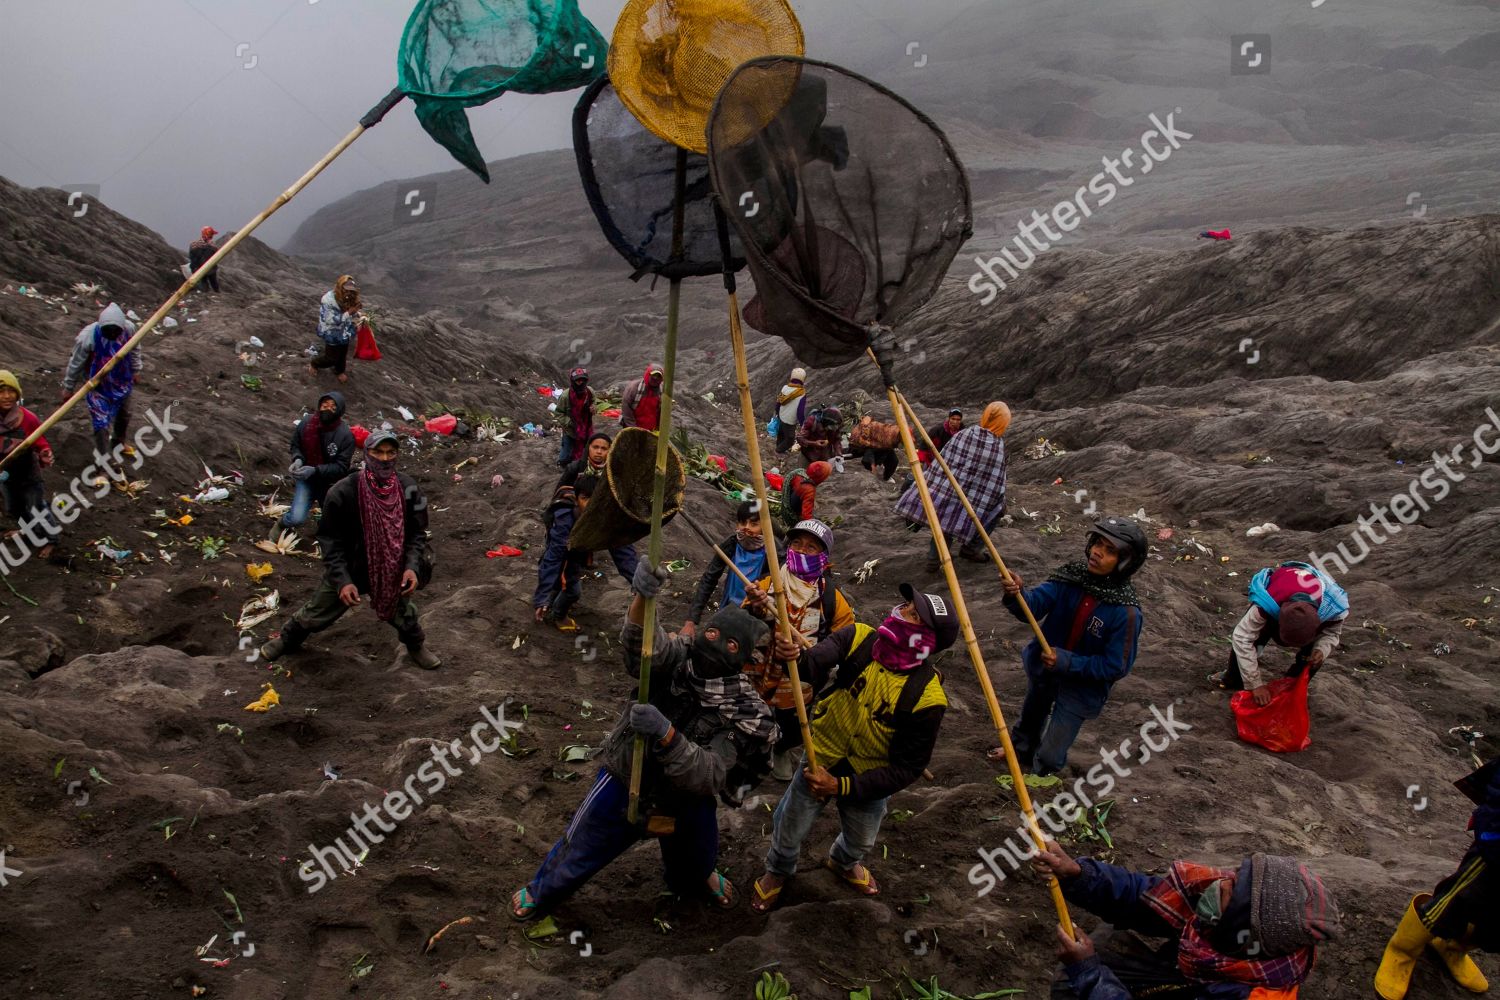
(805, 567)
(382, 469)
(328, 418)
(749, 542)
(1209, 908)
(902, 645)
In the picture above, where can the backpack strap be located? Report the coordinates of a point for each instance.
(915, 686)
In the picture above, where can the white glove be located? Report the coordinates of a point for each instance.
(838, 463)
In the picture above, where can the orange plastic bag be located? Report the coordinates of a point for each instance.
(1281, 726)
(365, 348)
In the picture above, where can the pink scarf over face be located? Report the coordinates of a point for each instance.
(382, 513)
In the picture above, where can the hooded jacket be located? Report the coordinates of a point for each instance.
(341, 535)
(813, 429)
(83, 348)
(630, 400)
(337, 451)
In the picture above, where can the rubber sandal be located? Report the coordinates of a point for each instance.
(1217, 678)
(722, 891)
(567, 625)
(764, 900)
(522, 906)
(866, 885)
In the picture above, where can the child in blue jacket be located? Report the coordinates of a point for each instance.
(1092, 619)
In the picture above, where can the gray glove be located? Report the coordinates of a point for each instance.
(648, 579)
(304, 472)
(648, 721)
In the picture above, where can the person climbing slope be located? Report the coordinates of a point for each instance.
(322, 450)
(1245, 933)
(875, 443)
(109, 401)
(199, 252)
(799, 493)
(873, 735)
(640, 403)
(21, 481)
(976, 455)
(821, 437)
(561, 570)
(816, 608)
(791, 410)
(704, 729)
(578, 418)
(1092, 619)
(338, 322)
(1295, 605)
(373, 536)
(747, 547)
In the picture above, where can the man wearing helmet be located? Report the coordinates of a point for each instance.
(578, 418)
(1092, 620)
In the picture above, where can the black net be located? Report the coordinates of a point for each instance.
(629, 176)
(850, 202)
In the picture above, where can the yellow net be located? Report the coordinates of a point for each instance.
(669, 58)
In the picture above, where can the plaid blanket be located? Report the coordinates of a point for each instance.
(977, 459)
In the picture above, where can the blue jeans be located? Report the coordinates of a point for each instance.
(302, 499)
(1047, 727)
(859, 825)
(565, 450)
(599, 833)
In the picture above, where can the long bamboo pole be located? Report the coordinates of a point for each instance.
(659, 484)
(801, 639)
(371, 119)
(971, 640)
(963, 498)
(757, 477)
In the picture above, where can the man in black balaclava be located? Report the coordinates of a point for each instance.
(707, 732)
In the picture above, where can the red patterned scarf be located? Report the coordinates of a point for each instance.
(1175, 898)
(382, 512)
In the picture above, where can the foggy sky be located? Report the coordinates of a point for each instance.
(152, 100)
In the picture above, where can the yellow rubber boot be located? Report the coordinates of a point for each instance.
(1401, 953)
(1460, 966)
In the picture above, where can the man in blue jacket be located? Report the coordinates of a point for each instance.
(1244, 933)
(1092, 619)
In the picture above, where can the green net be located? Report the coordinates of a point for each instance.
(458, 54)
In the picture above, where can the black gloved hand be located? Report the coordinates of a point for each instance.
(648, 721)
(648, 579)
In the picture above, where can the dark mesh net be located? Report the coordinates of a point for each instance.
(621, 515)
(458, 54)
(629, 176)
(850, 202)
(670, 57)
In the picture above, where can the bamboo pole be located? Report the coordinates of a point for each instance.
(971, 640)
(371, 118)
(963, 498)
(758, 478)
(659, 484)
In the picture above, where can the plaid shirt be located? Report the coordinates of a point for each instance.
(977, 459)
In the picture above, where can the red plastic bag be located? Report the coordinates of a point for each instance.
(504, 551)
(444, 424)
(775, 480)
(611, 414)
(365, 348)
(1281, 726)
(360, 434)
(720, 461)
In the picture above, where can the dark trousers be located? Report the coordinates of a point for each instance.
(211, 279)
(886, 458)
(1463, 904)
(1143, 971)
(599, 833)
(26, 498)
(786, 436)
(1047, 728)
(108, 437)
(334, 356)
(324, 608)
(1234, 682)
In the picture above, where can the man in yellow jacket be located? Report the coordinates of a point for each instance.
(872, 735)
